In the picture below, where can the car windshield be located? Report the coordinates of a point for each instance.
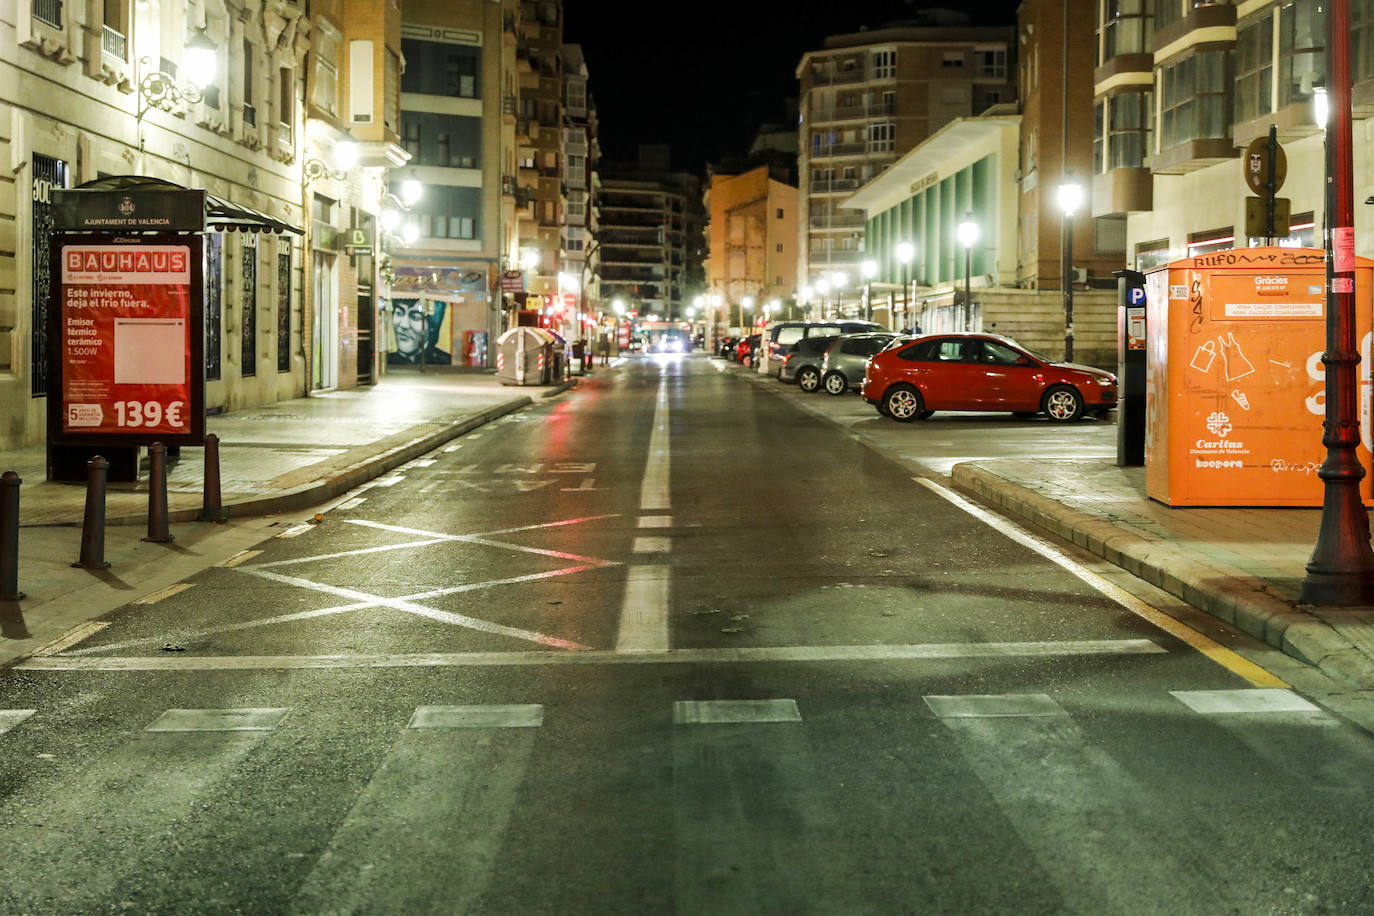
(1027, 350)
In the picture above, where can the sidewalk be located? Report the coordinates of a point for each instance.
(274, 458)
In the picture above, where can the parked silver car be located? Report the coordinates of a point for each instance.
(802, 364)
(842, 366)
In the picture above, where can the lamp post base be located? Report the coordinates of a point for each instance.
(1341, 570)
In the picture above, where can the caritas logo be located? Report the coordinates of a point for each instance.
(1271, 286)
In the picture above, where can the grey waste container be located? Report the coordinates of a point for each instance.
(524, 356)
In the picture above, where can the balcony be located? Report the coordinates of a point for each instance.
(112, 43)
(838, 221)
(830, 78)
(853, 112)
(831, 185)
(48, 11)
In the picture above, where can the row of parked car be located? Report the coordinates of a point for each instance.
(908, 377)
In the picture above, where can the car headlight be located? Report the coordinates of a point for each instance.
(1106, 382)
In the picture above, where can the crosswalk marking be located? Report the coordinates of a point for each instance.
(1223, 702)
(730, 712)
(491, 716)
(652, 545)
(644, 611)
(655, 521)
(994, 706)
(218, 720)
(9, 718)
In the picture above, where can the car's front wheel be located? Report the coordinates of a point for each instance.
(808, 378)
(1063, 404)
(903, 403)
(836, 383)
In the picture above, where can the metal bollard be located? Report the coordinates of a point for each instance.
(93, 524)
(158, 532)
(9, 537)
(211, 510)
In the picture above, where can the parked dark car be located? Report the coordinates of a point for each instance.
(982, 372)
(727, 347)
(783, 335)
(803, 363)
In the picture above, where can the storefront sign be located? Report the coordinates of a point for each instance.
(512, 281)
(126, 338)
(141, 211)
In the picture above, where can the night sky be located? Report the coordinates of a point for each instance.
(700, 76)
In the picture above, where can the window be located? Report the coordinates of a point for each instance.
(391, 103)
(1127, 28)
(953, 59)
(410, 136)
(884, 64)
(114, 41)
(1194, 99)
(326, 92)
(439, 68)
(1099, 138)
(881, 137)
(993, 63)
(286, 108)
(1127, 130)
(927, 351)
(447, 212)
(1210, 240)
(1152, 254)
(1302, 54)
(1255, 68)
(1362, 39)
(779, 212)
(999, 354)
(1167, 12)
(577, 206)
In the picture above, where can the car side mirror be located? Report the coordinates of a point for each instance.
(1024, 361)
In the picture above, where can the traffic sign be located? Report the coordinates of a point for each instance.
(1255, 165)
(1257, 217)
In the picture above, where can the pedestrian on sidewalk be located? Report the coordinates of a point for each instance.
(603, 347)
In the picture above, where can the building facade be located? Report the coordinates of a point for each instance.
(651, 234)
(751, 241)
(869, 97)
(582, 154)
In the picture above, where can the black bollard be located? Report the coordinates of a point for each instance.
(9, 537)
(158, 532)
(93, 524)
(211, 510)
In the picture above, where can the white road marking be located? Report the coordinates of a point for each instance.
(588, 484)
(421, 462)
(390, 481)
(994, 706)
(242, 556)
(419, 610)
(451, 448)
(644, 610)
(9, 718)
(731, 712)
(167, 592)
(600, 657)
(1230, 702)
(652, 545)
(353, 503)
(493, 716)
(653, 491)
(218, 720)
(655, 521)
(295, 530)
(347, 553)
(227, 628)
(72, 637)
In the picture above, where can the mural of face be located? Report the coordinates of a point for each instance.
(409, 319)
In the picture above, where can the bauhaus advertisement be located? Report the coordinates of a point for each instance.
(128, 340)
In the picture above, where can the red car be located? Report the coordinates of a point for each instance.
(982, 372)
(744, 350)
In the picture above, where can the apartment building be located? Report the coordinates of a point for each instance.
(102, 90)
(582, 152)
(539, 139)
(1208, 79)
(457, 125)
(651, 225)
(869, 97)
(752, 240)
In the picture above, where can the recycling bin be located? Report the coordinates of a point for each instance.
(1234, 385)
(524, 356)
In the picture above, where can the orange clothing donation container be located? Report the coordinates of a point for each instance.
(1234, 386)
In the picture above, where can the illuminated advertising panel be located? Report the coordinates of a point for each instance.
(127, 340)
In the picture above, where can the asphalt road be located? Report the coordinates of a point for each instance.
(667, 644)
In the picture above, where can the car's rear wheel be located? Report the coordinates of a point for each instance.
(808, 378)
(903, 403)
(836, 383)
(1063, 404)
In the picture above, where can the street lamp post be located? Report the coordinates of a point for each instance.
(1070, 196)
(968, 235)
(1341, 570)
(823, 287)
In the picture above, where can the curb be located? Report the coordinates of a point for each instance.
(1230, 595)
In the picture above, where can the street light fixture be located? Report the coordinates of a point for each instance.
(968, 236)
(162, 90)
(1070, 197)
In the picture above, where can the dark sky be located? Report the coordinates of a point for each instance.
(700, 76)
